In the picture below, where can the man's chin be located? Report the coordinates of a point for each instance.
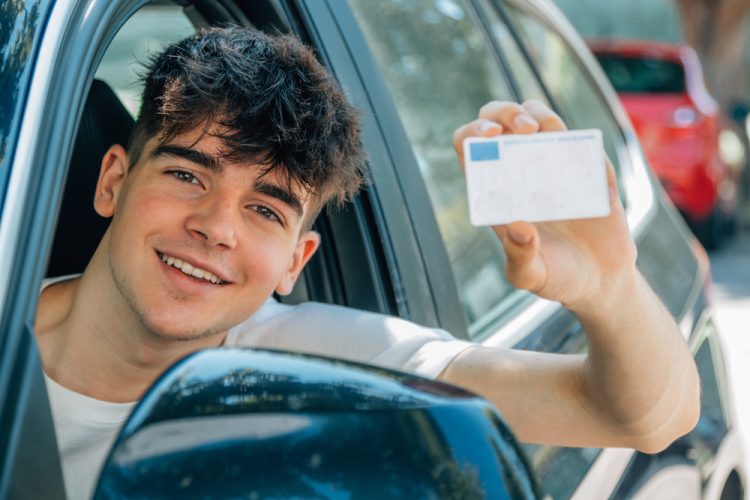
(185, 333)
(166, 319)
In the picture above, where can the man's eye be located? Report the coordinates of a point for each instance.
(266, 213)
(183, 176)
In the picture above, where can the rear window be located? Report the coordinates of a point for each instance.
(643, 74)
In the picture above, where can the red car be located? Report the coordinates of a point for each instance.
(677, 121)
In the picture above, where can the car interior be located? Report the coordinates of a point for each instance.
(104, 122)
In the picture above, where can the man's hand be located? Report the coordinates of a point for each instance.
(574, 262)
(637, 386)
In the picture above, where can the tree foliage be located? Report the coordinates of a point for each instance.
(17, 19)
(717, 30)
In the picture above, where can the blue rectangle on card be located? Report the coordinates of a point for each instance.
(485, 151)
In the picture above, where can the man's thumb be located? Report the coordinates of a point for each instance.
(522, 264)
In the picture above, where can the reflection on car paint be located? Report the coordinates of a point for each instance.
(269, 423)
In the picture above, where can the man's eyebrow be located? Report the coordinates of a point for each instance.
(280, 194)
(191, 155)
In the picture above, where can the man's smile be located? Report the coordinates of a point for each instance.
(191, 269)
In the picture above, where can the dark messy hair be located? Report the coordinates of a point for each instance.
(270, 99)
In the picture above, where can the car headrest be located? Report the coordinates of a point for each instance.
(104, 122)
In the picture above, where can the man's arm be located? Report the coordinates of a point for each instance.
(637, 386)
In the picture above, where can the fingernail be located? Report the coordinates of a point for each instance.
(518, 238)
(486, 125)
(521, 121)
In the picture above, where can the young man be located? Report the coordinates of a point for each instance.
(240, 141)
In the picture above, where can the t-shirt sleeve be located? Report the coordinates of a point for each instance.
(427, 358)
(350, 334)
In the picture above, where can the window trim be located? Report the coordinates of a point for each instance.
(497, 51)
(502, 15)
(638, 191)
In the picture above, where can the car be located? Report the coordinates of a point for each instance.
(417, 69)
(662, 88)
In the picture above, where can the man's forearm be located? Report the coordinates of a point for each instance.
(639, 373)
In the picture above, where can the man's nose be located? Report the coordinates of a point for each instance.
(215, 222)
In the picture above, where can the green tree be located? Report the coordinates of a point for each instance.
(16, 20)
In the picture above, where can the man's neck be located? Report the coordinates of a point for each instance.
(92, 343)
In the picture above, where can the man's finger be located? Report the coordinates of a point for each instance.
(547, 119)
(523, 268)
(511, 115)
(477, 128)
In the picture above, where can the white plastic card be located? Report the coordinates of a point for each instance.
(536, 177)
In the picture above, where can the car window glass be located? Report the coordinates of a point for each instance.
(580, 101)
(20, 25)
(528, 84)
(147, 32)
(440, 70)
(637, 75)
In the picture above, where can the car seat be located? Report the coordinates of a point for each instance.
(104, 122)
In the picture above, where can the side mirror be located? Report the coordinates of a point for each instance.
(268, 424)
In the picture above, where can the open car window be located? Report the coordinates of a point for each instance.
(147, 32)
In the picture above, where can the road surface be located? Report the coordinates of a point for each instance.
(730, 266)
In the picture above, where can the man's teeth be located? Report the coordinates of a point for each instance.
(190, 269)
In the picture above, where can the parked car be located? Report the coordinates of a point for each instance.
(417, 69)
(678, 122)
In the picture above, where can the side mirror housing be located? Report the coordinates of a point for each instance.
(257, 424)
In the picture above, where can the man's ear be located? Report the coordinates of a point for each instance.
(306, 246)
(112, 173)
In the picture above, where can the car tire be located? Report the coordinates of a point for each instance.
(732, 488)
(730, 225)
(710, 231)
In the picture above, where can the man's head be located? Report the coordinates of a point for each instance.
(240, 140)
(275, 105)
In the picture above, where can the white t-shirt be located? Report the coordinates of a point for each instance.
(86, 428)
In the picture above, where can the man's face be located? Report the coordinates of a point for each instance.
(197, 244)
